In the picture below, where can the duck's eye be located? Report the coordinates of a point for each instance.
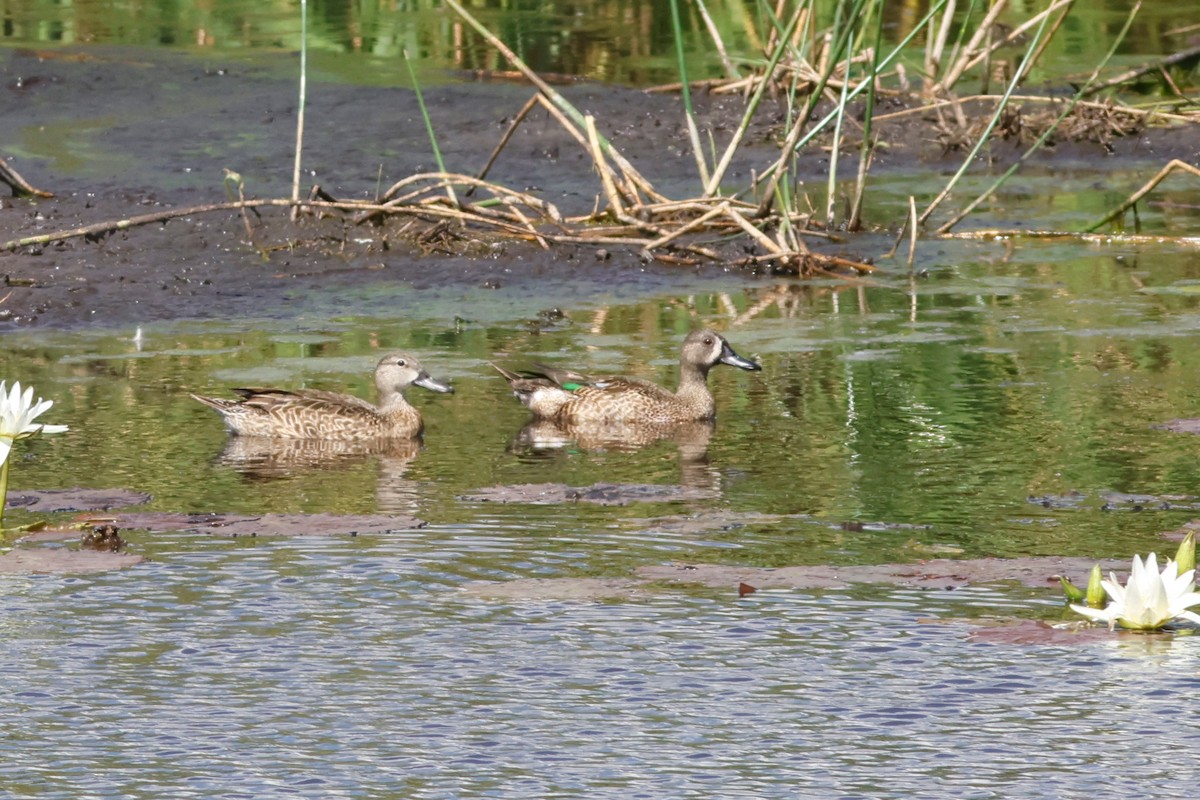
(708, 340)
(400, 362)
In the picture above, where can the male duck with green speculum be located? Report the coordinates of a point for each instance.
(569, 398)
(315, 414)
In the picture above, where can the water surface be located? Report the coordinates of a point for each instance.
(356, 667)
(1001, 403)
(629, 42)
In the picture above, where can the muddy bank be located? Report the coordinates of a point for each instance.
(116, 133)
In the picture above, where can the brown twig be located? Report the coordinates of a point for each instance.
(102, 228)
(1137, 72)
(548, 92)
(963, 60)
(616, 206)
(1172, 165)
(20, 187)
(512, 128)
(235, 179)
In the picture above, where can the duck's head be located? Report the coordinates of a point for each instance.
(397, 371)
(706, 348)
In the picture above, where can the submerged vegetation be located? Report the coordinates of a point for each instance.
(957, 76)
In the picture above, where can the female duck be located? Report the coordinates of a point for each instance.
(314, 414)
(569, 398)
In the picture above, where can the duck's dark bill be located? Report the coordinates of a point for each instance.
(426, 381)
(734, 360)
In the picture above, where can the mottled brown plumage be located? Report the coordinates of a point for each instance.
(315, 414)
(569, 398)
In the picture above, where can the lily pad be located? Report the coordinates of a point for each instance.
(1183, 530)
(712, 520)
(1034, 632)
(605, 494)
(1186, 288)
(1187, 425)
(1068, 500)
(1116, 501)
(45, 501)
(270, 524)
(59, 560)
(941, 573)
(936, 574)
(578, 589)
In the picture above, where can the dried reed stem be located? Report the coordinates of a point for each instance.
(551, 95)
(964, 61)
(606, 176)
(18, 184)
(1012, 36)
(508, 134)
(937, 43)
(754, 233)
(1171, 166)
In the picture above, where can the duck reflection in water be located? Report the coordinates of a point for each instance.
(267, 458)
(543, 437)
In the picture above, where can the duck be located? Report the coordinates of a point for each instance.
(316, 414)
(569, 398)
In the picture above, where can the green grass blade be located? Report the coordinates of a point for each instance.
(437, 153)
(1017, 77)
(686, 91)
(1037, 145)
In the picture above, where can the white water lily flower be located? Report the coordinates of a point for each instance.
(17, 415)
(1150, 599)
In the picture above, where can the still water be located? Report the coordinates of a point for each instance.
(631, 42)
(358, 667)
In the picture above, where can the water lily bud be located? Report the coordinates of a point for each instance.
(1185, 556)
(1095, 589)
(1074, 593)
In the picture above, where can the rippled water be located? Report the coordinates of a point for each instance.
(348, 669)
(357, 667)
